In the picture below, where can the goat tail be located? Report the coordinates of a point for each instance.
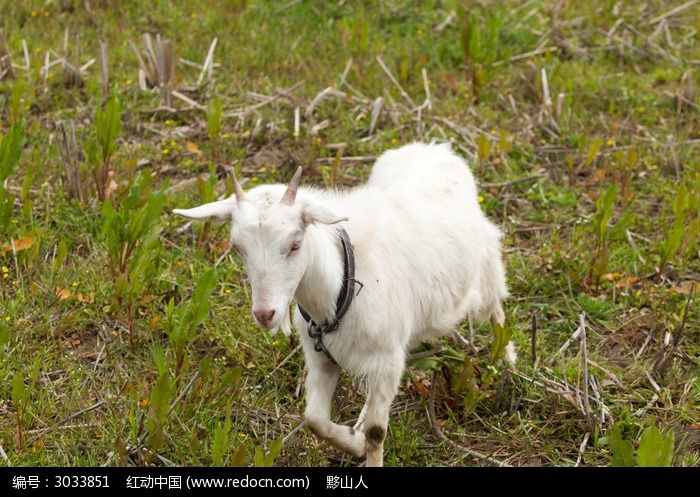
(493, 287)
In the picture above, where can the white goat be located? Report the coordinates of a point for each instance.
(425, 254)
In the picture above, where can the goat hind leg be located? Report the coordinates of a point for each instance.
(381, 393)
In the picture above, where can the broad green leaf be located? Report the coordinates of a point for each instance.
(4, 335)
(158, 409)
(240, 457)
(672, 244)
(605, 206)
(692, 234)
(200, 299)
(160, 395)
(483, 147)
(231, 378)
(599, 265)
(158, 357)
(274, 452)
(61, 253)
(427, 364)
(259, 458)
(618, 230)
(214, 113)
(680, 201)
(19, 391)
(466, 26)
(655, 448)
(622, 450)
(267, 459)
(593, 151)
(465, 386)
(500, 340)
(108, 125)
(220, 442)
(10, 150)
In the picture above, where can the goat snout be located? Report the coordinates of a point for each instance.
(264, 316)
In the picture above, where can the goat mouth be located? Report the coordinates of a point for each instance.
(281, 323)
(269, 325)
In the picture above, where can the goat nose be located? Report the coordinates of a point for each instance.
(264, 316)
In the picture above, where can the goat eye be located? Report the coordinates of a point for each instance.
(294, 247)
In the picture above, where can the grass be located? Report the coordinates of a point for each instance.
(581, 124)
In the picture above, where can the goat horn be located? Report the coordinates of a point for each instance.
(290, 194)
(240, 196)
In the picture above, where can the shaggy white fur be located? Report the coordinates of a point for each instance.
(426, 253)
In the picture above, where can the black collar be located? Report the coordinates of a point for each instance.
(342, 304)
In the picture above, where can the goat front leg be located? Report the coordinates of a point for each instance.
(321, 381)
(382, 389)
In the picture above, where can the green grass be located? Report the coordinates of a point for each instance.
(627, 116)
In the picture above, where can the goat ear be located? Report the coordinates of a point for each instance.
(312, 213)
(221, 210)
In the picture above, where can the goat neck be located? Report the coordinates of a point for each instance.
(319, 287)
